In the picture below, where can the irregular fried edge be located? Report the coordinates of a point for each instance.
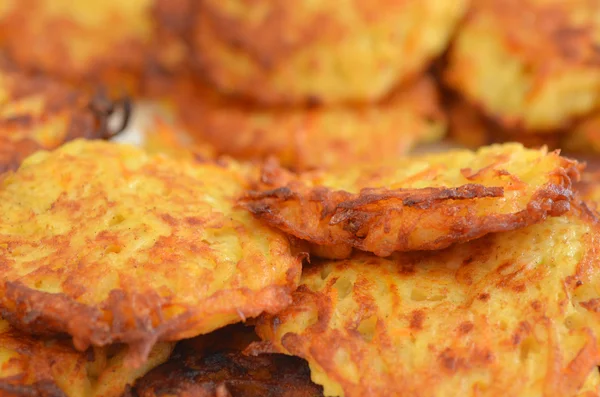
(46, 313)
(312, 347)
(344, 208)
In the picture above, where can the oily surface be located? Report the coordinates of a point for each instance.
(510, 314)
(214, 365)
(312, 137)
(530, 64)
(417, 203)
(47, 367)
(108, 244)
(39, 113)
(280, 52)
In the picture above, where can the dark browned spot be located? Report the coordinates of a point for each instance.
(194, 221)
(406, 270)
(519, 288)
(449, 360)
(503, 267)
(592, 305)
(416, 320)
(468, 261)
(465, 327)
(484, 296)
(169, 219)
(536, 305)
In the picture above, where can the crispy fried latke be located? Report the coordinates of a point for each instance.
(469, 126)
(417, 203)
(213, 365)
(38, 113)
(282, 52)
(509, 314)
(53, 368)
(109, 41)
(312, 137)
(111, 245)
(533, 64)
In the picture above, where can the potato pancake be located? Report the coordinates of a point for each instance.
(282, 52)
(584, 136)
(313, 137)
(509, 314)
(108, 41)
(111, 245)
(469, 126)
(52, 367)
(38, 113)
(417, 203)
(213, 365)
(534, 64)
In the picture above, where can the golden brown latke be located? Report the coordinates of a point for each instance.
(470, 127)
(53, 368)
(282, 52)
(108, 41)
(509, 314)
(38, 113)
(111, 245)
(312, 137)
(417, 203)
(213, 365)
(532, 64)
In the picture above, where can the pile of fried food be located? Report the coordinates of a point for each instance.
(305, 220)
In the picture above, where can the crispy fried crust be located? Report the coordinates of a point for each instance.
(281, 52)
(510, 314)
(38, 113)
(417, 203)
(53, 368)
(172, 254)
(312, 137)
(213, 366)
(118, 43)
(530, 64)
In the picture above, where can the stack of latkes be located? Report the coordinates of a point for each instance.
(270, 235)
(317, 83)
(458, 273)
